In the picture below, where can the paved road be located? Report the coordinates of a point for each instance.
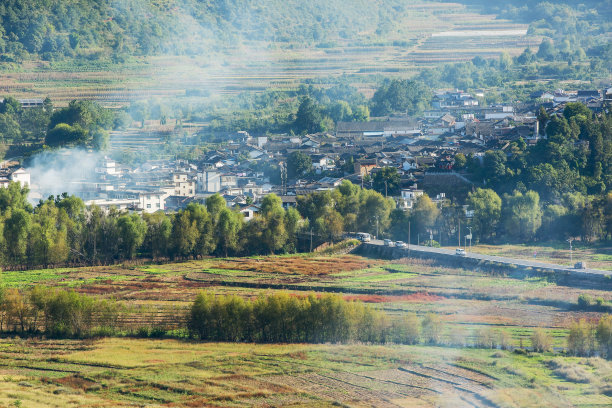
(503, 260)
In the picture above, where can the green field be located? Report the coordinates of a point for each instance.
(127, 371)
(132, 372)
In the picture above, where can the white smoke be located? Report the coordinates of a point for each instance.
(61, 171)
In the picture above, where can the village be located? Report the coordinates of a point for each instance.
(422, 149)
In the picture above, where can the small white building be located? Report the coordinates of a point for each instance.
(249, 212)
(408, 198)
(107, 166)
(183, 186)
(209, 181)
(152, 202)
(21, 176)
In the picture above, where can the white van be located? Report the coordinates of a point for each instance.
(364, 237)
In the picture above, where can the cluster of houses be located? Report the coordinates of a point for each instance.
(422, 149)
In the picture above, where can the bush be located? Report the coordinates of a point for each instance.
(407, 330)
(603, 333)
(285, 318)
(580, 339)
(571, 372)
(584, 301)
(541, 341)
(432, 328)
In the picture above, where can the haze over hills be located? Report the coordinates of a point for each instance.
(254, 203)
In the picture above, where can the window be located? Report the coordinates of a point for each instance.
(148, 205)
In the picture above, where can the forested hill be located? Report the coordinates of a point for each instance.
(93, 29)
(54, 29)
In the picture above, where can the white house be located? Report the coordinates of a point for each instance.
(183, 186)
(152, 202)
(108, 166)
(209, 181)
(249, 212)
(408, 198)
(21, 176)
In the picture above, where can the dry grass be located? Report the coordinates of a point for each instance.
(307, 265)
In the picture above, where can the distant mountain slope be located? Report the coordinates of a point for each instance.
(53, 29)
(91, 29)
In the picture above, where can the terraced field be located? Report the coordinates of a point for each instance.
(432, 33)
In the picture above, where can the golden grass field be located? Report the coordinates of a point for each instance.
(125, 371)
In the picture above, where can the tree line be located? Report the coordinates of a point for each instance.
(62, 230)
(274, 318)
(559, 188)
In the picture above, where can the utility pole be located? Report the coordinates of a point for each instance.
(571, 256)
(385, 188)
(418, 238)
(310, 239)
(459, 234)
(470, 228)
(409, 236)
(377, 227)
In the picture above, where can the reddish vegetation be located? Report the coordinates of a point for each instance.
(414, 297)
(298, 265)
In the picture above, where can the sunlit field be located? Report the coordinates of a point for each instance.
(134, 372)
(178, 371)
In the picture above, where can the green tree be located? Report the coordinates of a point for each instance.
(460, 161)
(387, 181)
(309, 118)
(495, 166)
(603, 334)
(432, 328)
(298, 163)
(340, 111)
(158, 238)
(522, 215)
(16, 227)
(10, 130)
(132, 231)
(215, 204)
(64, 134)
(397, 95)
(580, 339)
(227, 230)
(547, 50)
(14, 197)
(424, 214)
(275, 233)
(486, 205)
(184, 235)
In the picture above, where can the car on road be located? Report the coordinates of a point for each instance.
(364, 237)
(388, 242)
(400, 244)
(580, 265)
(460, 252)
